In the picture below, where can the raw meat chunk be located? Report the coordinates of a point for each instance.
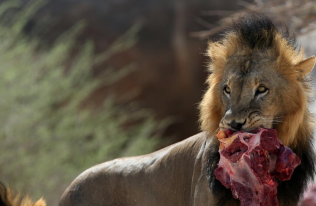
(250, 163)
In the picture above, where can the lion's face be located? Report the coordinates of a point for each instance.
(258, 80)
(251, 93)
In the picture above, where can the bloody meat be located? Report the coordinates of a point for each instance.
(250, 163)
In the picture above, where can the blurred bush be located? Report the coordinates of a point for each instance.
(47, 136)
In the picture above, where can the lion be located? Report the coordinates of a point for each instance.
(258, 78)
(7, 198)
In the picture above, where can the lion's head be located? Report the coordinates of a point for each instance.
(258, 79)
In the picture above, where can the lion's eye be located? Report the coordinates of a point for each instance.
(261, 90)
(227, 90)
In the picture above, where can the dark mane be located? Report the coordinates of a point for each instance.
(258, 31)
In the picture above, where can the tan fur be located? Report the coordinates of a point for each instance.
(8, 198)
(297, 120)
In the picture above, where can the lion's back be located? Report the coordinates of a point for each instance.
(140, 180)
(113, 181)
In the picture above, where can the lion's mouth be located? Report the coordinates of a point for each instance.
(248, 126)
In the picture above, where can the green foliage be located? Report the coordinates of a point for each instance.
(46, 137)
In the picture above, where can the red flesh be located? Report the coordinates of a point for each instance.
(250, 163)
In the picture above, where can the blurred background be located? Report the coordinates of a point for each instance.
(85, 81)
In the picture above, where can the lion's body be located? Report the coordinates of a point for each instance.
(258, 79)
(172, 176)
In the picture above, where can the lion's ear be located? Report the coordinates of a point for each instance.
(306, 66)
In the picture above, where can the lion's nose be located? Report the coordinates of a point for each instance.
(237, 125)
